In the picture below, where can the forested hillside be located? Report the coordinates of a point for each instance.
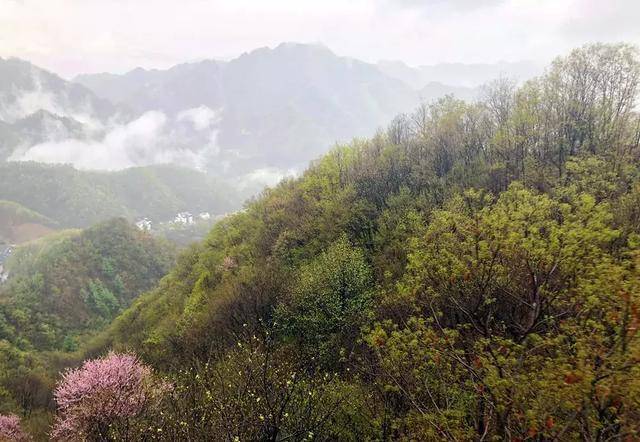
(75, 198)
(77, 281)
(61, 289)
(471, 273)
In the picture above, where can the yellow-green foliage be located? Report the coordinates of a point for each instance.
(470, 274)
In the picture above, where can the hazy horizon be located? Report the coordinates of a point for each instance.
(72, 77)
(128, 70)
(70, 37)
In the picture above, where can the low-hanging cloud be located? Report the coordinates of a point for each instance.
(201, 117)
(21, 102)
(153, 138)
(264, 177)
(188, 139)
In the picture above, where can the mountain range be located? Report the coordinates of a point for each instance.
(243, 124)
(251, 120)
(471, 272)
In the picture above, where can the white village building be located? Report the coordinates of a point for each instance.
(144, 224)
(184, 218)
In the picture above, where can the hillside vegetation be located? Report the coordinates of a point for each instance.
(472, 273)
(63, 288)
(19, 224)
(77, 281)
(75, 198)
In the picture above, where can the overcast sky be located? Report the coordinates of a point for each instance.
(74, 36)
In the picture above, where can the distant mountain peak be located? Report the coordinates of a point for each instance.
(295, 46)
(273, 108)
(26, 88)
(291, 49)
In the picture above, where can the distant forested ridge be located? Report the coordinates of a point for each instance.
(61, 289)
(74, 282)
(470, 273)
(75, 198)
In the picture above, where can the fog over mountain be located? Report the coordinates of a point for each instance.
(26, 89)
(329, 220)
(260, 106)
(253, 120)
(462, 75)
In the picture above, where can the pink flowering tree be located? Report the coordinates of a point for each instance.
(10, 429)
(104, 398)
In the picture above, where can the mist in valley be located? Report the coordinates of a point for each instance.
(294, 221)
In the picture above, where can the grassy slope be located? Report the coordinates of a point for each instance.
(19, 224)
